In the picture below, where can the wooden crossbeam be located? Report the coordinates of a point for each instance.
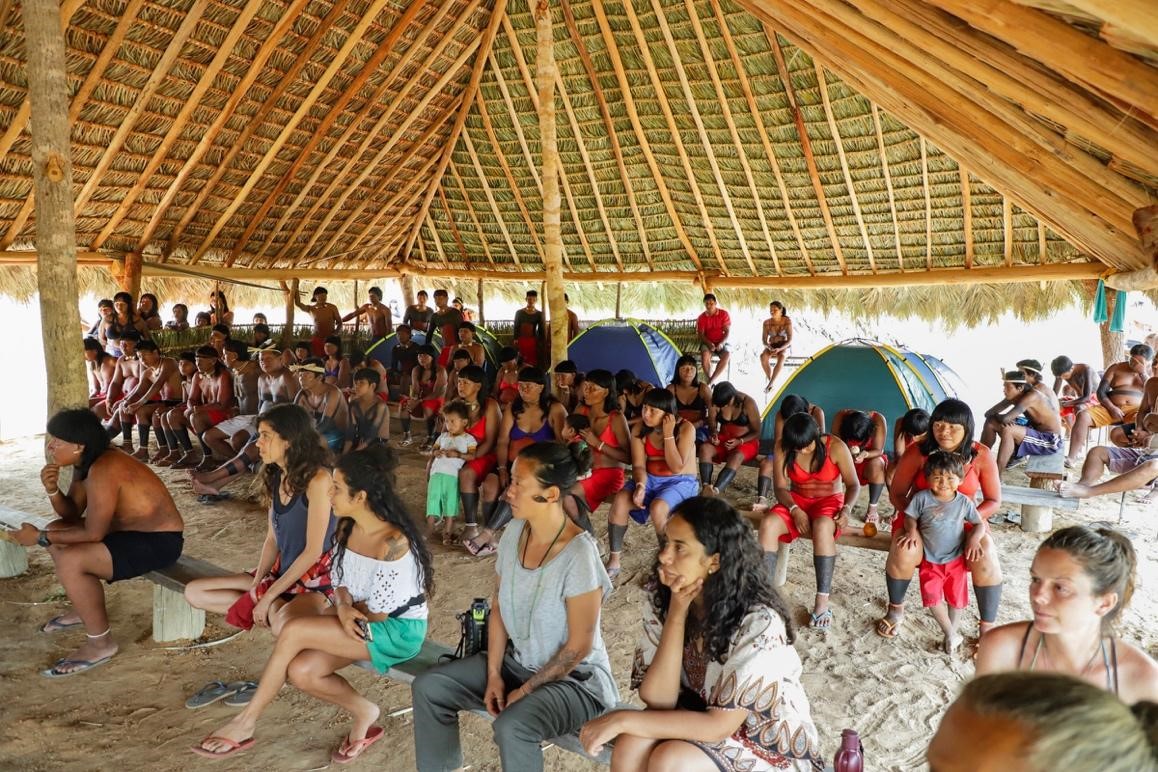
(482, 237)
(888, 185)
(208, 75)
(384, 49)
(805, 144)
(967, 215)
(822, 84)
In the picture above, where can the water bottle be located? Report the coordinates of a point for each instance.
(850, 756)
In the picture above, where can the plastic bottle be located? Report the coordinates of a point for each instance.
(850, 756)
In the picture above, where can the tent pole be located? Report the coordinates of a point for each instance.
(44, 48)
(546, 73)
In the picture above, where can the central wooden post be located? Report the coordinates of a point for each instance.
(130, 281)
(287, 333)
(545, 72)
(55, 216)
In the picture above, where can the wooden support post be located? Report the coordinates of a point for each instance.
(1035, 519)
(782, 565)
(13, 559)
(130, 280)
(173, 618)
(55, 216)
(407, 282)
(546, 72)
(618, 299)
(482, 319)
(291, 294)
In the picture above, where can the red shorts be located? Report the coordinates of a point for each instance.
(318, 347)
(482, 466)
(432, 404)
(528, 349)
(444, 356)
(823, 506)
(947, 581)
(216, 416)
(603, 483)
(748, 450)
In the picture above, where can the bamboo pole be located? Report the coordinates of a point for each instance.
(547, 71)
(482, 319)
(55, 221)
(291, 294)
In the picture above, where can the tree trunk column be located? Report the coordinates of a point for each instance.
(407, 282)
(291, 294)
(131, 275)
(546, 72)
(55, 216)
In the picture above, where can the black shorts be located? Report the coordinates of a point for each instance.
(138, 552)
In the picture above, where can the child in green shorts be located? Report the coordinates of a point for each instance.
(451, 450)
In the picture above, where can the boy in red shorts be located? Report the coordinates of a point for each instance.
(940, 515)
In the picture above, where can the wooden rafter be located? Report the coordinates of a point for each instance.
(1041, 243)
(888, 185)
(967, 215)
(608, 127)
(259, 119)
(208, 75)
(928, 205)
(805, 144)
(672, 125)
(437, 240)
(637, 125)
(576, 131)
(701, 130)
(769, 152)
(528, 82)
(498, 12)
(339, 163)
(482, 237)
(319, 87)
(413, 192)
(488, 127)
(1007, 230)
(1140, 17)
(822, 84)
(490, 197)
(375, 162)
(453, 227)
(381, 53)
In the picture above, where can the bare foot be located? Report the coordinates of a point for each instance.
(92, 650)
(162, 453)
(952, 643)
(1073, 490)
(238, 730)
(203, 489)
(364, 718)
(141, 454)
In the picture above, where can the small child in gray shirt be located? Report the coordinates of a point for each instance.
(940, 514)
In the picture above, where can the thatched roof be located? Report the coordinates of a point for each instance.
(820, 138)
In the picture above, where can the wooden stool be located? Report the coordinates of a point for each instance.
(1042, 471)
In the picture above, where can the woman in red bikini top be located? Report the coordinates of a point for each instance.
(826, 481)
(608, 435)
(507, 379)
(661, 424)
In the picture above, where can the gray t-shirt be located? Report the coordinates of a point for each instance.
(942, 524)
(533, 603)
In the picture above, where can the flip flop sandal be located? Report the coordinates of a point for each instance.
(613, 573)
(212, 498)
(241, 697)
(821, 621)
(85, 666)
(54, 625)
(234, 747)
(348, 751)
(211, 693)
(886, 628)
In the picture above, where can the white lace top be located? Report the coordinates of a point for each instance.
(383, 585)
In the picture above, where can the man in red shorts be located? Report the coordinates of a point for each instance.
(712, 328)
(446, 320)
(327, 319)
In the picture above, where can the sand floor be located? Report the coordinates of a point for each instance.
(130, 714)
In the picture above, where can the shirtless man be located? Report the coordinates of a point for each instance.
(219, 335)
(324, 402)
(712, 329)
(572, 320)
(180, 320)
(125, 374)
(117, 521)
(468, 343)
(378, 314)
(446, 320)
(327, 319)
(1032, 370)
(1119, 393)
(777, 338)
(158, 388)
(1074, 384)
(99, 366)
(528, 330)
(210, 402)
(1040, 437)
(275, 385)
(226, 439)
(417, 316)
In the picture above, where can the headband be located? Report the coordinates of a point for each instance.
(311, 368)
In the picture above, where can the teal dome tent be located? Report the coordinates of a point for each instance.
(625, 344)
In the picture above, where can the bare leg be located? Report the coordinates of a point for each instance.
(766, 365)
(1082, 423)
(315, 673)
(780, 356)
(948, 619)
(630, 753)
(218, 443)
(659, 515)
(989, 431)
(1011, 437)
(217, 593)
(1135, 478)
(706, 362)
(720, 365)
(80, 569)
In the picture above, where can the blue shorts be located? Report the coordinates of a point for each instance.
(1038, 443)
(671, 490)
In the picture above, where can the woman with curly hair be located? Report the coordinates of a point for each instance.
(715, 664)
(382, 576)
(297, 481)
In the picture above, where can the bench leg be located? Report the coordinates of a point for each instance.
(782, 566)
(13, 559)
(1035, 519)
(173, 618)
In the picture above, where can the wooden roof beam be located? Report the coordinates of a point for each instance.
(498, 12)
(339, 161)
(822, 84)
(490, 198)
(253, 123)
(629, 104)
(805, 144)
(608, 127)
(888, 185)
(381, 53)
(673, 126)
(208, 75)
(967, 215)
(437, 240)
(482, 237)
(1140, 17)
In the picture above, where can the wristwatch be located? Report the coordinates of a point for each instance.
(42, 539)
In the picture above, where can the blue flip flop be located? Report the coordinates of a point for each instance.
(211, 693)
(85, 666)
(54, 625)
(241, 697)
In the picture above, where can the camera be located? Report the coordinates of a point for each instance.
(474, 628)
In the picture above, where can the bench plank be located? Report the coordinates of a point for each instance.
(1037, 497)
(1051, 467)
(185, 570)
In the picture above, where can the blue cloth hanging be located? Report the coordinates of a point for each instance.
(1100, 313)
(1118, 323)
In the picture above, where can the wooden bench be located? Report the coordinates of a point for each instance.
(851, 537)
(1038, 501)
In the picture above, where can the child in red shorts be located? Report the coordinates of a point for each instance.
(951, 530)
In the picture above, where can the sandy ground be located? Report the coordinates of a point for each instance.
(129, 714)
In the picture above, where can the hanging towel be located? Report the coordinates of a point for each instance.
(1118, 323)
(1100, 313)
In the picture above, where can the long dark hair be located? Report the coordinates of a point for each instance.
(725, 394)
(557, 464)
(798, 433)
(371, 471)
(537, 376)
(660, 399)
(686, 359)
(605, 380)
(80, 426)
(951, 411)
(741, 583)
(305, 452)
(153, 298)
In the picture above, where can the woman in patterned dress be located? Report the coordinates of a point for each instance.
(723, 689)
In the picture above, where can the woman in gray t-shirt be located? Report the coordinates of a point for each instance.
(545, 672)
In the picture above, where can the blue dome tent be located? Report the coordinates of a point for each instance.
(614, 344)
(381, 349)
(865, 375)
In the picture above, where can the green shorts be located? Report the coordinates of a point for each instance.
(442, 495)
(395, 641)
